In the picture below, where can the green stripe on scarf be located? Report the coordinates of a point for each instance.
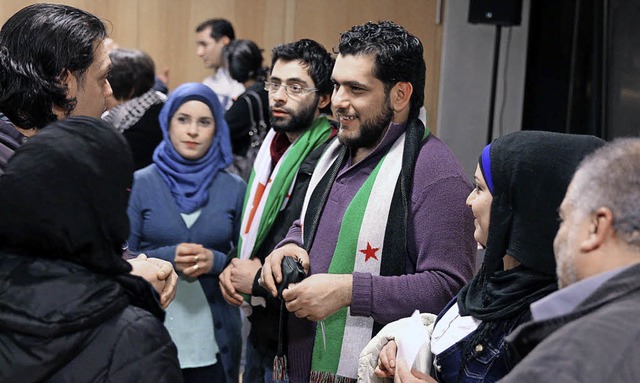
(347, 241)
(313, 137)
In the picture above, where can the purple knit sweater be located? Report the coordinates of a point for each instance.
(440, 238)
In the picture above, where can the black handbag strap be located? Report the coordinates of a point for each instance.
(258, 131)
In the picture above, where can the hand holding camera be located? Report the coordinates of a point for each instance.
(292, 272)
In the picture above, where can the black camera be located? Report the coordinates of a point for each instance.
(292, 272)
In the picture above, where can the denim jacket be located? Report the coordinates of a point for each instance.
(488, 361)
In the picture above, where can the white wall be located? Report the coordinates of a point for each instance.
(465, 81)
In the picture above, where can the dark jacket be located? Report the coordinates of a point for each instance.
(238, 117)
(596, 342)
(69, 309)
(78, 326)
(10, 140)
(485, 360)
(144, 136)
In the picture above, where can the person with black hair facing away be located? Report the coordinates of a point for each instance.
(135, 104)
(213, 36)
(384, 218)
(63, 71)
(520, 179)
(70, 309)
(248, 117)
(299, 98)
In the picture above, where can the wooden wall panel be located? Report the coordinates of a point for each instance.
(168, 34)
(166, 28)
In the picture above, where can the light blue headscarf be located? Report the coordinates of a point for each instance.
(189, 180)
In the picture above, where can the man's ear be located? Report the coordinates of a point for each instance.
(225, 40)
(70, 82)
(400, 96)
(600, 229)
(324, 100)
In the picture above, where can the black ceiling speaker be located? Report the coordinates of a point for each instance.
(495, 12)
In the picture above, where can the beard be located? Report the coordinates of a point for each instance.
(371, 130)
(298, 120)
(565, 269)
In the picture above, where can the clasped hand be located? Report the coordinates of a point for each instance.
(159, 273)
(238, 278)
(193, 259)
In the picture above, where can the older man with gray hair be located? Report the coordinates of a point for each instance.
(588, 330)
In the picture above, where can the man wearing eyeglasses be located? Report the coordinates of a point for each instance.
(384, 229)
(299, 96)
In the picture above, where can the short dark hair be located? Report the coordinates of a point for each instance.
(219, 28)
(38, 45)
(315, 58)
(245, 60)
(132, 73)
(399, 56)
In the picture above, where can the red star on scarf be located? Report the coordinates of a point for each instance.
(369, 252)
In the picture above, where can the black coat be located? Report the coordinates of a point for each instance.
(144, 136)
(10, 140)
(78, 326)
(69, 309)
(239, 120)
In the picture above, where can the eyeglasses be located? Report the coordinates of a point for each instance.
(292, 90)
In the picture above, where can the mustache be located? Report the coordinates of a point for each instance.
(280, 108)
(344, 112)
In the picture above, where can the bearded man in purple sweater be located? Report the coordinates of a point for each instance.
(384, 229)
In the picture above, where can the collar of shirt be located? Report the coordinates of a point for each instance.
(567, 299)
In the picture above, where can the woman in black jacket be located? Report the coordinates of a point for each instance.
(249, 117)
(70, 310)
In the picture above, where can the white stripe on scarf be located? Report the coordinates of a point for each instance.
(358, 329)
(263, 175)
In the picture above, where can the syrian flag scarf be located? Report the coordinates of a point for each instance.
(269, 188)
(375, 220)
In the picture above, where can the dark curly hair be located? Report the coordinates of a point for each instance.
(245, 61)
(315, 58)
(132, 73)
(399, 56)
(37, 46)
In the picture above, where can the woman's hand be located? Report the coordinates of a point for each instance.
(406, 375)
(387, 360)
(193, 259)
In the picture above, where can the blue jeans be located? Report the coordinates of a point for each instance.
(258, 366)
